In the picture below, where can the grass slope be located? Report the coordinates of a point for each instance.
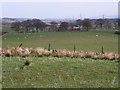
(60, 40)
(59, 73)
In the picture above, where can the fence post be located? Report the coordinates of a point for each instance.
(49, 47)
(20, 45)
(102, 50)
(74, 47)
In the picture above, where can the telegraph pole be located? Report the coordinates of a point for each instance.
(103, 16)
(80, 16)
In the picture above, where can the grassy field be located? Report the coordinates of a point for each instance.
(61, 72)
(60, 40)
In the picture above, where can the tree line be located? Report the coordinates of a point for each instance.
(36, 25)
(28, 26)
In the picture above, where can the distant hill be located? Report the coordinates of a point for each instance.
(15, 19)
(7, 20)
(47, 19)
(58, 20)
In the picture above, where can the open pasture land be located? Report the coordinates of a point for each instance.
(92, 40)
(61, 72)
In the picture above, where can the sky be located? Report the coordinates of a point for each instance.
(45, 10)
(59, 0)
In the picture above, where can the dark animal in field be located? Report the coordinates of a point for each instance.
(27, 63)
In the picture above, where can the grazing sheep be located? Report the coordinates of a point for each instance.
(19, 51)
(47, 53)
(117, 57)
(75, 54)
(95, 57)
(38, 51)
(101, 56)
(82, 55)
(111, 56)
(13, 51)
(57, 53)
(26, 52)
(7, 52)
(67, 53)
(90, 54)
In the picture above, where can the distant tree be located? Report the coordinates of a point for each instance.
(71, 25)
(115, 22)
(107, 24)
(64, 26)
(86, 23)
(24, 25)
(79, 22)
(54, 25)
(99, 23)
(53, 22)
(16, 26)
(27, 25)
(38, 24)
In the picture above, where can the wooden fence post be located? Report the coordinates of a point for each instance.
(74, 47)
(102, 50)
(49, 47)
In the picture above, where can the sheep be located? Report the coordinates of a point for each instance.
(26, 52)
(19, 51)
(13, 51)
(110, 56)
(38, 51)
(7, 52)
(64, 52)
(47, 53)
(56, 53)
(117, 57)
(82, 55)
(90, 54)
(101, 56)
(75, 54)
(67, 54)
(95, 57)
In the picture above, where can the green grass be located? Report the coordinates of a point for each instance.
(83, 40)
(59, 73)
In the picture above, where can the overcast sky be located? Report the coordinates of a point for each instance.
(59, 9)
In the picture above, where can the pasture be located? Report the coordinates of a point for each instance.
(65, 40)
(62, 72)
(50, 72)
